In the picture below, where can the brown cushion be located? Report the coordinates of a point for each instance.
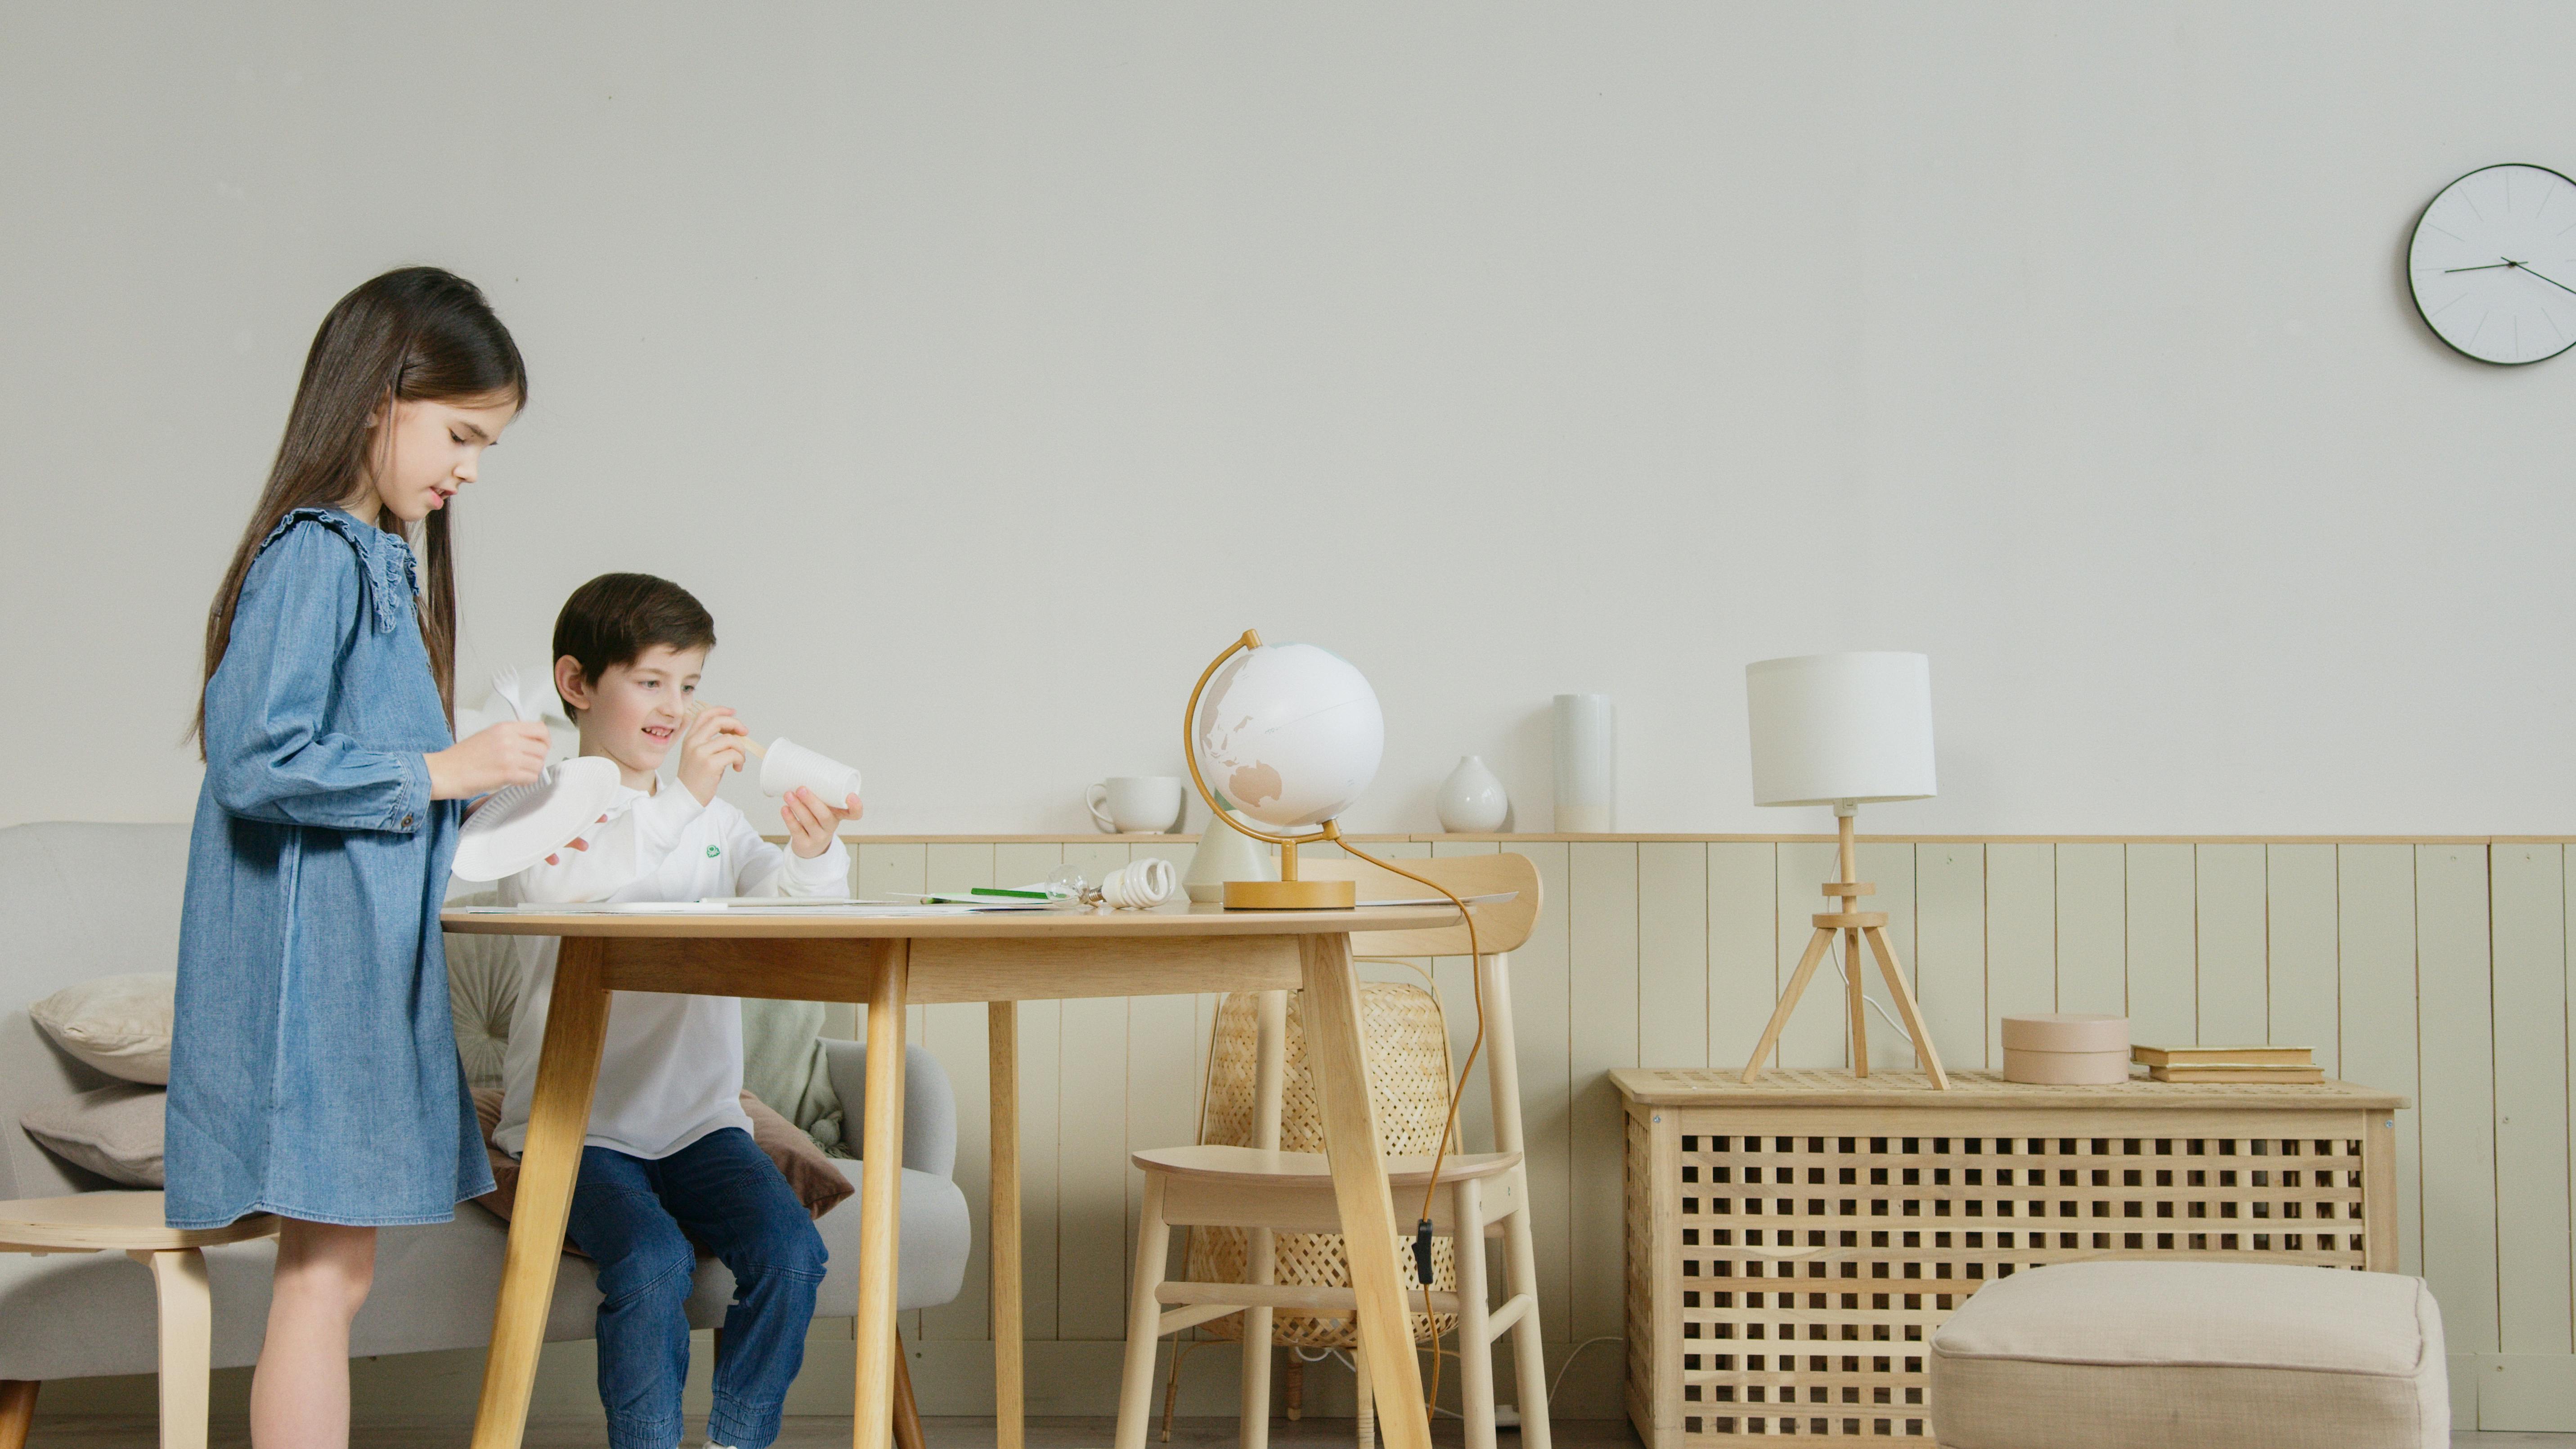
(113, 1131)
(817, 1183)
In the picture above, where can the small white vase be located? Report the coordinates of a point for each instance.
(1471, 800)
(1225, 854)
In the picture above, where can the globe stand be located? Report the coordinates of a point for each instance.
(1287, 893)
(1853, 926)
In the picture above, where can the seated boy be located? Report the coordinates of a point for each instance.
(669, 1159)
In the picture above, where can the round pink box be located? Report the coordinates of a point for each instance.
(2066, 1049)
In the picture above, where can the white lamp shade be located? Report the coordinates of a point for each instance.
(1832, 729)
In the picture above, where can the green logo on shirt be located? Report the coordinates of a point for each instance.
(713, 851)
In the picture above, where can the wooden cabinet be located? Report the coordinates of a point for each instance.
(1792, 1244)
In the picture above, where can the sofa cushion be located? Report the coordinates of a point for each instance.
(2106, 1355)
(483, 976)
(938, 1235)
(118, 1024)
(113, 1131)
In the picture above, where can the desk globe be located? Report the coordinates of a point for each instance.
(1292, 734)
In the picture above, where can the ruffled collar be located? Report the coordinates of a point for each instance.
(393, 573)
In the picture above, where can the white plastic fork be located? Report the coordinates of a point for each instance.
(505, 683)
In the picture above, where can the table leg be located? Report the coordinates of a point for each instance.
(1002, 1031)
(880, 1201)
(907, 1409)
(1334, 1047)
(17, 1410)
(558, 1120)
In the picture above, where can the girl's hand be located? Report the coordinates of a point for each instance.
(557, 858)
(712, 746)
(512, 752)
(811, 824)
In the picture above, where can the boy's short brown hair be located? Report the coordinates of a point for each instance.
(614, 618)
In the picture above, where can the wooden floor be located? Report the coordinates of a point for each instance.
(829, 1433)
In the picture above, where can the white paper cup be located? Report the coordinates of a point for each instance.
(790, 765)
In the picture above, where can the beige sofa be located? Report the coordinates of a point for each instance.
(82, 901)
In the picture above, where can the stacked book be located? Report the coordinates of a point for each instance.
(2229, 1064)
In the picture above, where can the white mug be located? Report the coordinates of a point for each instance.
(1139, 804)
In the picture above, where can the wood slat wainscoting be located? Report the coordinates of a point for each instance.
(2432, 967)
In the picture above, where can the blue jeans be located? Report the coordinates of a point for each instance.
(638, 1218)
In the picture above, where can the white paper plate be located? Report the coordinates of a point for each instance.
(524, 824)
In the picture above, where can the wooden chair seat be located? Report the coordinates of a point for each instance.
(95, 1222)
(1252, 1166)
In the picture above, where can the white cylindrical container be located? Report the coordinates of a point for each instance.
(1587, 763)
(2066, 1049)
(1471, 800)
(790, 764)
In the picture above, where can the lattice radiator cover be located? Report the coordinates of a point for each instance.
(1916, 1198)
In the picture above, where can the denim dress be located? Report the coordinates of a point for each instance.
(313, 1068)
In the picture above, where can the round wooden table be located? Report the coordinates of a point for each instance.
(887, 961)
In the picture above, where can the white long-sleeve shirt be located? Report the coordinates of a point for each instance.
(671, 1071)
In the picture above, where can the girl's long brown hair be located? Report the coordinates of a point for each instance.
(415, 333)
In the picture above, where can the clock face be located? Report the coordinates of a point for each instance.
(2493, 264)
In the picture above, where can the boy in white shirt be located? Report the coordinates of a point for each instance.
(669, 1160)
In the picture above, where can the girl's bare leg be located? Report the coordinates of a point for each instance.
(299, 1394)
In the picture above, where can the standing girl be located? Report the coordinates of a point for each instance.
(314, 1072)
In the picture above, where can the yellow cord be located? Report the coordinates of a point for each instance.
(1457, 1092)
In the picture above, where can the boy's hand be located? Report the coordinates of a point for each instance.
(811, 824)
(557, 858)
(712, 746)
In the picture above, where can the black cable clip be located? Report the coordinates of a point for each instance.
(1422, 1252)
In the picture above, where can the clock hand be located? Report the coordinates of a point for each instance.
(2489, 267)
(2553, 281)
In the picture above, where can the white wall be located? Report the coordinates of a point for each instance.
(1505, 349)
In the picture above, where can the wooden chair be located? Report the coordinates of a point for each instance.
(1266, 1191)
(132, 1223)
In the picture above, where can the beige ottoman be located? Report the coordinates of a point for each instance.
(2125, 1355)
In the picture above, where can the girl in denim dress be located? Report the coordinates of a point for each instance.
(313, 1073)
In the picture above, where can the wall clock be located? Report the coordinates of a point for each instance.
(2493, 264)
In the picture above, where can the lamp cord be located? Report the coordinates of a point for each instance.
(1457, 1092)
(1844, 969)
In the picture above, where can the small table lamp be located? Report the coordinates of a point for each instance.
(1839, 730)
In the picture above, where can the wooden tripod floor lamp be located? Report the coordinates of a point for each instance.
(1844, 730)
